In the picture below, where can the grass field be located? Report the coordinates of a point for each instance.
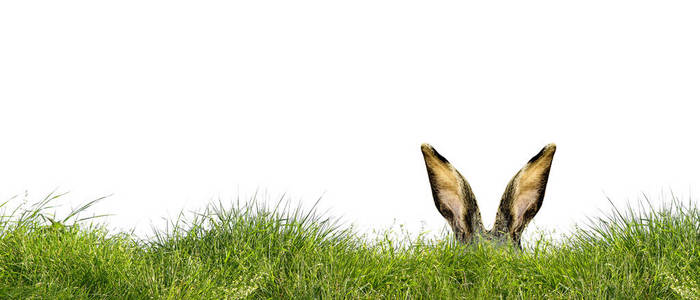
(249, 251)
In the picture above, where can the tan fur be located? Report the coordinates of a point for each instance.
(455, 200)
(529, 186)
(447, 181)
(453, 196)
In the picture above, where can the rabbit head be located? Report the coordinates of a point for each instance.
(521, 200)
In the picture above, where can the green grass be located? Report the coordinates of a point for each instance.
(249, 251)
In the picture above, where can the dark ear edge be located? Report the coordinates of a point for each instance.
(452, 194)
(524, 195)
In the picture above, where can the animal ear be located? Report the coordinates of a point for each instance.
(453, 196)
(523, 196)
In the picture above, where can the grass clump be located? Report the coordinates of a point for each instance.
(252, 251)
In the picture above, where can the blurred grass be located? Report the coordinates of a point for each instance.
(248, 250)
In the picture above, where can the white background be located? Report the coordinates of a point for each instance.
(171, 104)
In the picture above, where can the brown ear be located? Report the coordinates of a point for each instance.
(523, 196)
(453, 196)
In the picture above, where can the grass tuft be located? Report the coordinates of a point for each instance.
(249, 250)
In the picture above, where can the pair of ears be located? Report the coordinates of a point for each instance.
(456, 202)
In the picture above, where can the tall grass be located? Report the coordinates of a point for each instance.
(249, 250)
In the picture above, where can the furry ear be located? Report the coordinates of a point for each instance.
(453, 196)
(523, 196)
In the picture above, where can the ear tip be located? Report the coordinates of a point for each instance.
(549, 150)
(430, 153)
